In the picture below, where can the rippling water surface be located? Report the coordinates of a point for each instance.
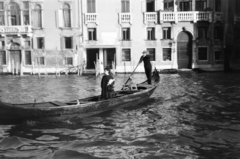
(190, 116)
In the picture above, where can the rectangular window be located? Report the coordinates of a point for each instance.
(202, 32)
(218, 5)
(202, 54)
(167, 54)
(3, 60)
(68, 42)
(69, 61)
(2, 44)
(167, 33)
(151, 53)
(218, 33)
(92, 34)
(150, 33)
(41, 61)
(40, 43)
(125, 6)
(126, 55)
(168, 5)
(237, 53)
(28, 58)
(91, 6)
(125, 33)
(150, 6)
(218, 55)
(201, 5)
(2, 15)
(185, 6)
(27, 44)
(237, 4)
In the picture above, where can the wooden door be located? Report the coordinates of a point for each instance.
(184, 50)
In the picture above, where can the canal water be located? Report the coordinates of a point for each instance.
(189, 116)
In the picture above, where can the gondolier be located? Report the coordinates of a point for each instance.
(147, 65)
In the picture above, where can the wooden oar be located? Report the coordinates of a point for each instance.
(131, 75)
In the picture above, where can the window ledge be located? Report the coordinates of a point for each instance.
(125, 40)
(151, 40)
(66, 28)
(37, 28)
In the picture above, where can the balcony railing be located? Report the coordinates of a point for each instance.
(15, 29)
(91, 18)
(185, 16)
(218, 17)
(125, 18)
(236, 19)
(150, 17)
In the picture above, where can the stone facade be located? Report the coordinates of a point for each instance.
(53, 35)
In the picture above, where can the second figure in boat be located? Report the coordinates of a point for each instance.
(107, 84)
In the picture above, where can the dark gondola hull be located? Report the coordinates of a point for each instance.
(46, 111)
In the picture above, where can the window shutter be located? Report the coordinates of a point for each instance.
(143, 6)
(93, 6)
(123, 7)
(62, 43)
(60, 18)
(34, 42)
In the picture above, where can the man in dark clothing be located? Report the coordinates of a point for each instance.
(107, 84)
(147, 65)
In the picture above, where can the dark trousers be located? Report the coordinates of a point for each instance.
(148, 72)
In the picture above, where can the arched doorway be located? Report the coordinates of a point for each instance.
(184, 50)
(15, 58)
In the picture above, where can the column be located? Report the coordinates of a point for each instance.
(194, 52)
(101, 57)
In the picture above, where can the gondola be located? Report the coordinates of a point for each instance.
(57, 110)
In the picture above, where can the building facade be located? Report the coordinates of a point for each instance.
(39, 36)
(179, 34)
(53, 35)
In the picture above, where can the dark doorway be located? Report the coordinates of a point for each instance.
(109, 57)
(184, 50)
(15, 57)
(91, 58)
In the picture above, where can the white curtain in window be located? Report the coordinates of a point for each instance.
(66, 15)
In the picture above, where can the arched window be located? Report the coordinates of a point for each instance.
(66, 15)
(14, 14)
(37, 20)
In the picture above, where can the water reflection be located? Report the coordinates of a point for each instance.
(189, 116)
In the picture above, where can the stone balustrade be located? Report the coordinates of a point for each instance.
(91, 18)
(185, 16)
(125, 18)
(15, 29)
(150, 17)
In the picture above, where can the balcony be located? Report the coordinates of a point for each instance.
(91, 18)
(125, 18)
(236, 19)
(185, 16)
(150, 17)
(218, 17)
(15, 29)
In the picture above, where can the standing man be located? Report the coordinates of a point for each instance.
(147, 65)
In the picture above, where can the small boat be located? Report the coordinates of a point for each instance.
(57, 110)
